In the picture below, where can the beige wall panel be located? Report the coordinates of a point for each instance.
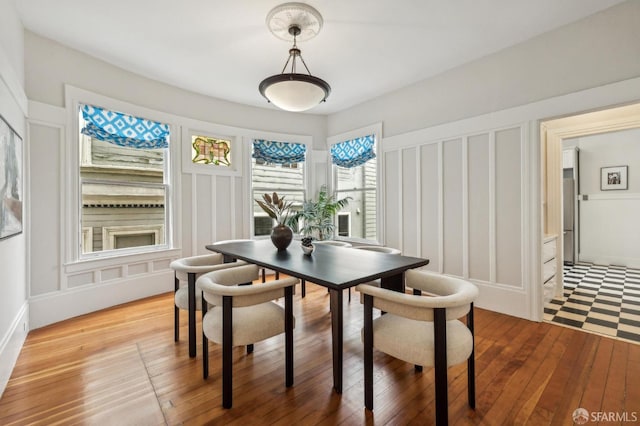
(221, 219)
(508, 207)
(204, 218)
(137, 269)
(238, 212)
(80, 279)
(479, 226)
(430, 205)
(186, 216)
(45, 209)
(452, 191)
(392, 183)
(410, 238)
(110, 274)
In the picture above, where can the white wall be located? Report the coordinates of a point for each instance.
(609, 225)
(13, 107)
(597, 50)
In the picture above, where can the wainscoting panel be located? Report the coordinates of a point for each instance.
(393, 214)
(461, 196)
(45, 208)
(430, 206)
(222, 209)
(452, 189)
(508, 207)
(410, 200)
(479, 219)
(204, 207)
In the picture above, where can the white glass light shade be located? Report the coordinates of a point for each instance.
(294, 92)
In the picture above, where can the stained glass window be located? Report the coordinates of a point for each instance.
(207, 150)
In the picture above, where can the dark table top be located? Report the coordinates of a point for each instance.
(329, 266)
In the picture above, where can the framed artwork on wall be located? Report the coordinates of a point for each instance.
(613, 178)
(10, 181)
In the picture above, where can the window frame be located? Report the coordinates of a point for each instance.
(376, 131)
(280, 137)
(76, 234)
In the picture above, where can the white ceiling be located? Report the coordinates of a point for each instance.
(366, 47)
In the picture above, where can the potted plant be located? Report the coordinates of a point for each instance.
(318, 216)
(279, 209)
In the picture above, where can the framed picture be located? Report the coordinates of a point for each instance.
(613, 178)
(10, 181)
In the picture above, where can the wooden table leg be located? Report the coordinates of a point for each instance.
(336, 337)
(192, 314)
(395, 283)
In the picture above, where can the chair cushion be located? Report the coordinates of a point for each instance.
(251, 324)
(181, 299)
(412, 341)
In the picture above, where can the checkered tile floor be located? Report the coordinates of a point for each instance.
(600, 299)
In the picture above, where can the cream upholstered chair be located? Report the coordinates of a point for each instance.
(334, 243)
(379, 249)
(188, 269)
(243, 315)
(423, 330)
(262, 270)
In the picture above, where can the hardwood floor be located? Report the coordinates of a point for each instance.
(121, 366)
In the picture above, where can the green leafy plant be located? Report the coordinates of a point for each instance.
(318, 216)
(276, 207)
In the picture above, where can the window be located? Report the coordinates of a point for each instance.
(355, 175)
(276, 167)
(344, 224)
(206, 150)
(123, 181)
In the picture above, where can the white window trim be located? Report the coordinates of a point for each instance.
(376, 130)
(87, 239)
(74, 97)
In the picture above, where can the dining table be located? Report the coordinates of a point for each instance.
(336, 268)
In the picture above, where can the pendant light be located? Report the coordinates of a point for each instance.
(294, 91)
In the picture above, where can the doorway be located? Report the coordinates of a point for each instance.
(594, 296)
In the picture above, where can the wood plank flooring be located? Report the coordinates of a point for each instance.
(121, 366)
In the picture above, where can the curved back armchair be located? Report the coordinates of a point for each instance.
(187, 270)
(379, 249)
(242, 315)
(262, 270)
(334, 243)
(422, 330)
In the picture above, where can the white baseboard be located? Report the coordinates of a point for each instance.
(11, 344)
(54, 307)
(505, 300)
(604, 260)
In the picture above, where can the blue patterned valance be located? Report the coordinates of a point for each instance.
(124, 130)
(354, 152)
(278, 152)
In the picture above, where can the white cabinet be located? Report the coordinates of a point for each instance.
(549, 266)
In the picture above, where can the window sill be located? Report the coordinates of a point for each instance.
(91, 263)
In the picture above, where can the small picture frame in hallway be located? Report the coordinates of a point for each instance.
(612, 178)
